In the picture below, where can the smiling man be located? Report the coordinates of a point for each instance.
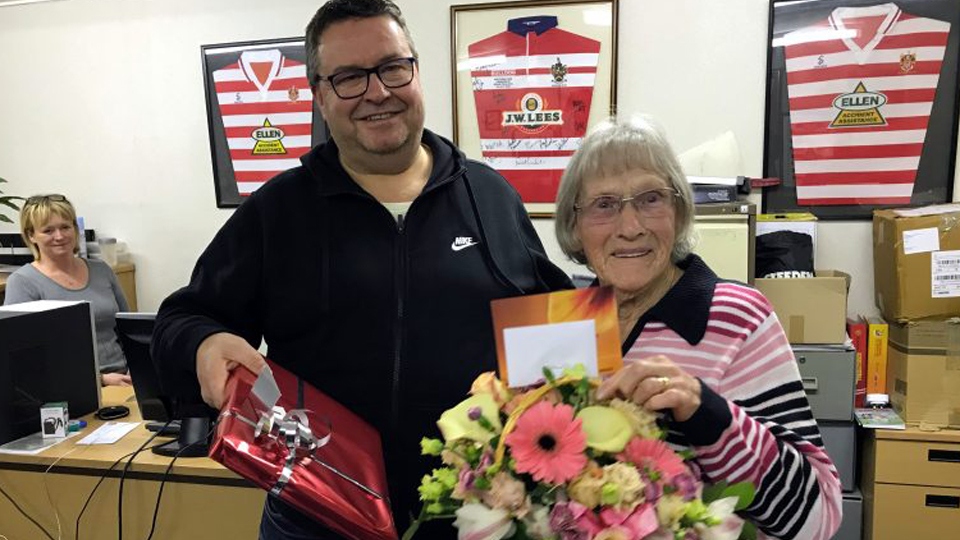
(369, 269)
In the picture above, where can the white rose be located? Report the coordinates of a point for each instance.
(731, 525)
(476, 521)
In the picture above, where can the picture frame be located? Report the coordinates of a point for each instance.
(529, 79)
(260, 113)
(862, 105)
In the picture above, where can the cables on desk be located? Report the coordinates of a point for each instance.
(163, 480)
(103, 477)
(46, 488)
(89, 497)
(124, 474)
(25, 514)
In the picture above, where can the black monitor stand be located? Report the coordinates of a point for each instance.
(193, 440)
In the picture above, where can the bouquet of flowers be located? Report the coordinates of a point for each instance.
(551, 462)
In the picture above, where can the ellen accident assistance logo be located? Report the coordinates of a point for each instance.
(268, 139)
(859, 108)
(533, 115)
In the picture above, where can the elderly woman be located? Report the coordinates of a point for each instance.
(709, 351)
(48, 224)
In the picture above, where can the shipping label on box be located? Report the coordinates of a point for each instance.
(921, 241)
(945, 274)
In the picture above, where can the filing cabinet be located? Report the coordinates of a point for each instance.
(839, 438)
(911, 484)
(828, 378)
(727, 234)
(850, 527)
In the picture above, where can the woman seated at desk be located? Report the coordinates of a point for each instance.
(48, 224)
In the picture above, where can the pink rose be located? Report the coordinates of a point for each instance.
(641, 522)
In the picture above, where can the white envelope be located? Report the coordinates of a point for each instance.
(528, 349)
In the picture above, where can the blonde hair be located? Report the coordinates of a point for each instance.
(38, 210)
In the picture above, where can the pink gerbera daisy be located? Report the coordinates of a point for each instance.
(549, 443)
(654, 454)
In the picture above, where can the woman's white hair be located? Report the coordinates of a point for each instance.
(614, 147)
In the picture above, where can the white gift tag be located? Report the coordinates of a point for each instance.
(529, 349)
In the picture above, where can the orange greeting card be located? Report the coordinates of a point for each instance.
(556, 330)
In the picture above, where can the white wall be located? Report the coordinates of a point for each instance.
(103, 100)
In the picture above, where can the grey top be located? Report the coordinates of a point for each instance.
(102, 291)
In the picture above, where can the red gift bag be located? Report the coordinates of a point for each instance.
(320, 458)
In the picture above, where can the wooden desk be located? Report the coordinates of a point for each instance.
(201, 499)
(911, 484)
(126, 275)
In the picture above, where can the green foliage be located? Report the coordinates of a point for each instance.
(7, 200)
(712, 492)
(744, 491)
(431, 447)
(521, 532)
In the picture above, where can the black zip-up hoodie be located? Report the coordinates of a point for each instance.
(390, 319)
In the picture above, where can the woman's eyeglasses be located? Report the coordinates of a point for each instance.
(37, 199)
(604, 209)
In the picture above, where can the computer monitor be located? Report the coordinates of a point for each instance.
(135, 331)
(48, 353)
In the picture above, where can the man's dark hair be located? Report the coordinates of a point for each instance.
(335, 11)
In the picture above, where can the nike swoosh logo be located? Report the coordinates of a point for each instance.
(457, 247)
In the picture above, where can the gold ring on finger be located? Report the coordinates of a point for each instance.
(664, 382)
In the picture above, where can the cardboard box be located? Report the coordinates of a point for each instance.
(916, 262)
(54, 420)
(811, 310)
(923, 371)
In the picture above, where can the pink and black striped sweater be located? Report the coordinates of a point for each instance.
(754, 423)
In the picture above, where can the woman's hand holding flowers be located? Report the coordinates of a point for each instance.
(656, 384)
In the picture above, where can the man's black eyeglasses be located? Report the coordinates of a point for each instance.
(353, 83)
(36, 199)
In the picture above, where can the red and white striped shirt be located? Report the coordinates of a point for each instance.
(267, 112)
(533, 86)
(861, 86)
(754, 423)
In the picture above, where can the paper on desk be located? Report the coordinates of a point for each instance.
(33, 444)
(529, 349)
(109, 433)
